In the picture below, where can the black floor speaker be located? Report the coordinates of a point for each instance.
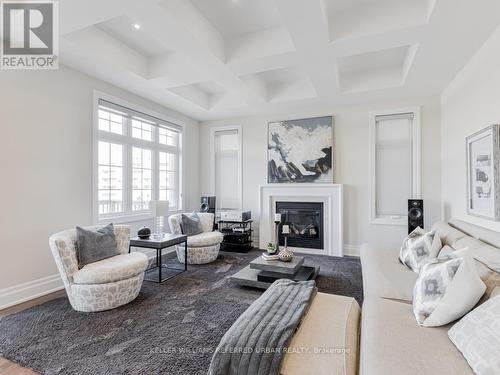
(207, 204)
(415, 214)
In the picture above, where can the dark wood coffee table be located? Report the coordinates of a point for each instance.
(162, 272)
(261, 273)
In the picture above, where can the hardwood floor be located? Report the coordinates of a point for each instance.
(11, 368)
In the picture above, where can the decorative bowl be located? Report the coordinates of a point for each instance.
(144, 233)
(285, 255)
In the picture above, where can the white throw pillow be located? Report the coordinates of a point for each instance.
(446, 289)
(477, 336)
(490, 276)
(446, 250)
(418, 248)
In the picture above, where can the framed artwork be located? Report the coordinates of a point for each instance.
(483, 182)
(300, 151)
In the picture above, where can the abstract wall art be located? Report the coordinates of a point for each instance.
(300, 151)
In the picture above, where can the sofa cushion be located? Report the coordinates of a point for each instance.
(113, 269)
(384, 275)
(486, 254)
(393, 343)
(205, 239)
(488, 236)
(487, 262)
(448, 234)
(322, 329)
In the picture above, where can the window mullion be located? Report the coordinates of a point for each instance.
(128, 167)
(155, 173)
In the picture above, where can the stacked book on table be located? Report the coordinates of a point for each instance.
(266, 256)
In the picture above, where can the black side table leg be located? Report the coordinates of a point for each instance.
(129, 247)
(185, 255)
(159, 265)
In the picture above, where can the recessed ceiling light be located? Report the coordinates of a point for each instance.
(136, 26)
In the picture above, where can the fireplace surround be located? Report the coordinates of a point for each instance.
(330, 195)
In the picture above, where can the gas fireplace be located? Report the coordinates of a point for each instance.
(305, 220)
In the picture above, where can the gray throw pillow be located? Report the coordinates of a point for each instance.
(92, 246)
(191, 224)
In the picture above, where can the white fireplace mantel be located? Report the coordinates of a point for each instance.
(329, 194)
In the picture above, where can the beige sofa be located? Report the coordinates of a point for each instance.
(391, 340)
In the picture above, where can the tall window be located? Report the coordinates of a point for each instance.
(138, 159)
(226, 171)
(395, 153)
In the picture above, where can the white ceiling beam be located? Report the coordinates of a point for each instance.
(171, 30)
(306, 21)
(77, 14)
(101, 45)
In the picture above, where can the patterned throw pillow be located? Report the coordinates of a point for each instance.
(418, 248)
(446, 289)
(477, 336)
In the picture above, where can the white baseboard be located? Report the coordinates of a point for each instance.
(27, 291)
(351, 250)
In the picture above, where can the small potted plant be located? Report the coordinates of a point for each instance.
(271, 249)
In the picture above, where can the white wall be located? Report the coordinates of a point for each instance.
(351, 166)
(470, 103)
(46, 164)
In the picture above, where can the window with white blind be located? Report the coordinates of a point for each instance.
(226, 167)
(395, 164)
(137, 159)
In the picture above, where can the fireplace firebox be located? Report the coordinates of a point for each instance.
(305, 220)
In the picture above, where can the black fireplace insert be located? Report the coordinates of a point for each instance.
(305, 220)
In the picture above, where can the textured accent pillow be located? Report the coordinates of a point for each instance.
(418, 248)
(495, 292)
(92, 246)
(191, 224)
(445, 290)
(477, 336)
(489, 276)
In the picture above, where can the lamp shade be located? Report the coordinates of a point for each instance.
(158, 208)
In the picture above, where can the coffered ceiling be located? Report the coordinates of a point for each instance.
(219, 58)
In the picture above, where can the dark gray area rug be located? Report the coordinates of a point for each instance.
(171, 328)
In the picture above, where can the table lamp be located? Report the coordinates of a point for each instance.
(159, 209)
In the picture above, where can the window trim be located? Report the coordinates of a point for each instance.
(416, 164)
(111, 137)
(214, 130)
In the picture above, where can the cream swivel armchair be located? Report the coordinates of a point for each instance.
(102, 285)
(202, 248)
